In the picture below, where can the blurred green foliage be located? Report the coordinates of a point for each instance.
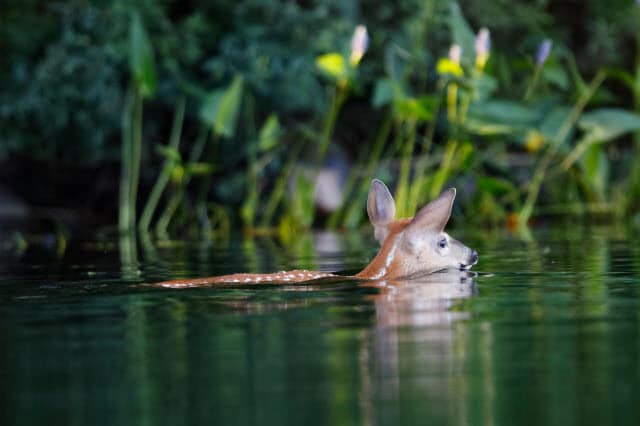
(504, 130)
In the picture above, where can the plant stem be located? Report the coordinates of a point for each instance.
(174, 201)
(567, 125)
(338, 100)
(402, 190)
(128, 249)
(124, 210)
(278, 190)
(136, 156)
(201, 206)
(165, 218)
(248, 209)
(418, 186)
(534, 83)
(165, 174)
(452, 101)
(442, 173)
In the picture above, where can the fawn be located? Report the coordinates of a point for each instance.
(409, 247)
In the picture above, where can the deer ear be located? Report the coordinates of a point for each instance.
(435, 215)
(381, 209)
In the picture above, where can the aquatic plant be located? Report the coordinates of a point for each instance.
(473, 118)
(530, 124)
(143, 85)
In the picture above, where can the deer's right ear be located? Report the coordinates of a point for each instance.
(381, 209)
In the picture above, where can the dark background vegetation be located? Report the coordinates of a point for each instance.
(65, 72)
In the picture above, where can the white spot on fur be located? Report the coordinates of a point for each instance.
(390, 256)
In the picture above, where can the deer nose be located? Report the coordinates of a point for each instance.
(474, 257)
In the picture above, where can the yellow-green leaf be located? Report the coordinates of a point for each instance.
(141, 59)
(269, 133)
(221, 107)
(420, 109)
(332, 64)
(227, 116)
(447, 66)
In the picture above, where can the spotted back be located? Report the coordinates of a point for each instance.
(282, 277)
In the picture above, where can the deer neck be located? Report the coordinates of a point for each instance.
(384, 263)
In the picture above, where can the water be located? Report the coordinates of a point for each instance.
(547, 333)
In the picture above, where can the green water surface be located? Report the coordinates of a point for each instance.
(547, 333)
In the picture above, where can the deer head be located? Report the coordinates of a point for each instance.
(415, 245)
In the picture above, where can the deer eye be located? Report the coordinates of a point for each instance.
(442, 243)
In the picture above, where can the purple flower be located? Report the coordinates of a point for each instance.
(543, 52)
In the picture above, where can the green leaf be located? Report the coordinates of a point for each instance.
(141, 59)
(382, 93)
(395, 64)
(420, 109)
(269, 133)
(606, 124)
(198, 169)
(500, 117)
(332, 64)
(506, 111)
(248, 209)
(210, 106)
(482, 128)
(483, 87)
(220, 108)
(624, 76)
(465, 156)
(461, 32)
(496, 186)
(302, 205)
(227, 116)
(553, 121)
(555, 74)
(596, 168)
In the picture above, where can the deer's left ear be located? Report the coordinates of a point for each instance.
(435, 215)
(381, 209)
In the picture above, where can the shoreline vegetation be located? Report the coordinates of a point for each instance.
(249, 122)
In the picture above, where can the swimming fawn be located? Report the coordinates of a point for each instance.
(409, 247)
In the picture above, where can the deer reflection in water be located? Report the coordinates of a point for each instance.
(414, 349)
